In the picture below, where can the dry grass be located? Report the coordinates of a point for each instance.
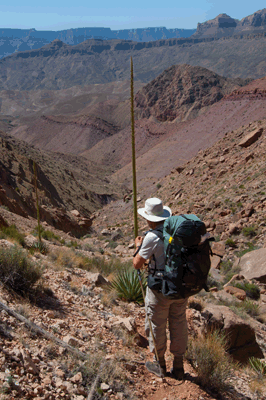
(207, 354)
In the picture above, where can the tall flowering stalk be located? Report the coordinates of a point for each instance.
(133, 153)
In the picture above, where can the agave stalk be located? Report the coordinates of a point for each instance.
(37, 201)
(133, 152)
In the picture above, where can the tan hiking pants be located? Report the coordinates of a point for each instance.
(160, 310)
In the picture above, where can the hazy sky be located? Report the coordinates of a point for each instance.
(118, 14)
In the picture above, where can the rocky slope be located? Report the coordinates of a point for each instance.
(181, 91)
(64, 184)
(225, 185)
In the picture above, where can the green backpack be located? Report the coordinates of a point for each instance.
(187, 258)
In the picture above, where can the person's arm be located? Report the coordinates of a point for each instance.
(138, 261)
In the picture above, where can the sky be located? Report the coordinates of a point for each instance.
(117, 14)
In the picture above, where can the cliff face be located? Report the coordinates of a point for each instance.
(16, 40)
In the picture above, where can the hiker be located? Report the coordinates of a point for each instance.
(159, 308)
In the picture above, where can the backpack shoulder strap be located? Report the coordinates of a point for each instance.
(158, 232)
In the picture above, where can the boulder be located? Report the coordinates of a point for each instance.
(253, 265)
(215, 261)
(241, 337)
(218, 248)
(127, 323)
(96, 278)
(238, 293)
(250, 138)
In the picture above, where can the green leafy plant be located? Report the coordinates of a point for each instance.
(17, 271)
(158, 185)
(127, 286)
(38, 247)
(207, 354)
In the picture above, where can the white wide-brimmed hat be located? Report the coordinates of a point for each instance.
(154, 210)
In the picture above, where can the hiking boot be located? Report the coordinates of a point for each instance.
(178, 373)
(156, 369)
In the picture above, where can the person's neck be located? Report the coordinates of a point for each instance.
(153, 225)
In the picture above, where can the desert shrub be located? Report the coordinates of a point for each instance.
(208, 356)
(245, 307)
(112, 244)
(158, 185)
(12, 233)
(17, 271)
(231, 243)
(45, 234)
(252, 290)
(127, 285)
(249, 231)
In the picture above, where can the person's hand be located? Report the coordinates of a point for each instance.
(138, 241)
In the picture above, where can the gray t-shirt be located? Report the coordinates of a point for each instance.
(152, 244)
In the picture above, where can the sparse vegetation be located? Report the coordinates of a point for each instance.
(17, 272)
(11, 232)
(249, 231)
(127, 286)
(207, 354)
(231, 243)
(252, 290)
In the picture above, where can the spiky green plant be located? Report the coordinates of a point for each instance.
(127, 286)
(133, 152)
(258, 366)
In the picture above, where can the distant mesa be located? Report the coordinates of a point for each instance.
(223, 25)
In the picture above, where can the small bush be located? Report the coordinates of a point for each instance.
(46, 234)
(12, 233)
(17, 271)
(127, 285)
(158, 185)
(208, 356)
(252, 290)
(231, 243)
(249, 231)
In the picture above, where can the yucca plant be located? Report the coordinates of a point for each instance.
(127, 286)
(258, 366)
